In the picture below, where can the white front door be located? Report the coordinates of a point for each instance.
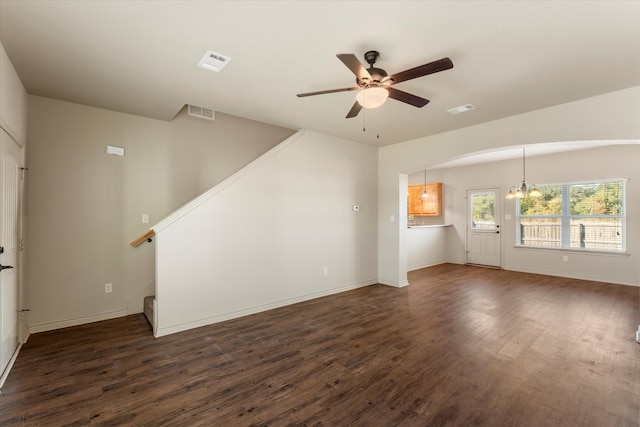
(10, 155)
(483, 229)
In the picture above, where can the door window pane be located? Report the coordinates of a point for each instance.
(483, 211)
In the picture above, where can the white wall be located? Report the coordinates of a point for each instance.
(617, 161)
(612, 116)
(13, 101)
(85, 206)
(426, 246)
(263, 238)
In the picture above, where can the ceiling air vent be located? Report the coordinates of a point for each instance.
(214, 61)
(202, 113)
(462, 109)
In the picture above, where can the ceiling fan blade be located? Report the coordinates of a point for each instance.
(354, 110)
(408, 98)
(422, 70)
(356, 67)
(322, 92)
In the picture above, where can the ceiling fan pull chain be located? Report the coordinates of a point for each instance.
(364, 121)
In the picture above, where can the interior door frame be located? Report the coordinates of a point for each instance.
(21, 327)
(498, 219)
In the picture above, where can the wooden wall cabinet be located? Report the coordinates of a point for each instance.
(427, 206)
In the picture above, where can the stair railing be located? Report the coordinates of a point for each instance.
(146, 237)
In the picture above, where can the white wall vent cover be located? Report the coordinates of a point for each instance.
(116, 151)
(214, 61)
(202, 113)
(462, 109)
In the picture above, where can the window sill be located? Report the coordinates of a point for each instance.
(574, 251)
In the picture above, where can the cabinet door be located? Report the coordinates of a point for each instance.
(425, 206)
(432, 204)
(415, 199)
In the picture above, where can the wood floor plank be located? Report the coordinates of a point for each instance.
(460, 346)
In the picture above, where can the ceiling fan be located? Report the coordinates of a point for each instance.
(376, 83)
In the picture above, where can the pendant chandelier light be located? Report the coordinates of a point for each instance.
(424, 193)
(520, 191)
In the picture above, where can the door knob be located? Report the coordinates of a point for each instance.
(4, 267)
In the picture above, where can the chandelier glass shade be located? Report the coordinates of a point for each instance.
(522, 191)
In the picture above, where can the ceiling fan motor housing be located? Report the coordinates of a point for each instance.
(377, 74)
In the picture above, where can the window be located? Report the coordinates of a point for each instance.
(587, 215)
(483, 209)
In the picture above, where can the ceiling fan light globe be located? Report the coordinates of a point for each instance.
(372, 97)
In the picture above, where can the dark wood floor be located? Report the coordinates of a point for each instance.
(461, 346)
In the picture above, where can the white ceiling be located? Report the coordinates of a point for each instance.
(140, 57)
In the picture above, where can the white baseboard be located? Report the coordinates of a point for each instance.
(421, 266)
(162, 331)
(5, 374)
(393, 283)
(570, 276)
(51, 326)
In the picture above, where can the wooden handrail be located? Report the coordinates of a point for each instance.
(145, 237)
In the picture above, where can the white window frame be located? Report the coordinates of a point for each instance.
(566, 217)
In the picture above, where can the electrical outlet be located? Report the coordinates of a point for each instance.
(565, 258)
(326, 271)
(108, 288)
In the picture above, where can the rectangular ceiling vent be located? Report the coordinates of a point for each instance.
(201, 113)
(462, 109)
(214, 61)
